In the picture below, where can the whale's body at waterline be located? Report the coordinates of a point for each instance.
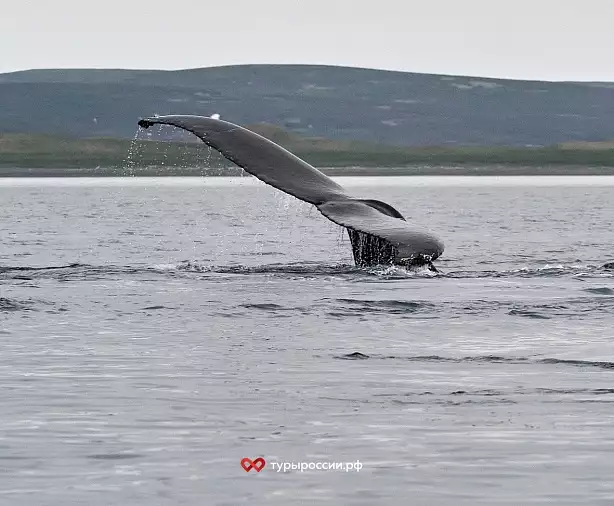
(379, 234)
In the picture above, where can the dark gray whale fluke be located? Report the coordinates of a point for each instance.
(378, 233)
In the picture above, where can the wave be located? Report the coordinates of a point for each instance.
(306, 269)
(548, 271)
(302, 268)
(9, 305)
(392, 272)
(353, 307)
(513, 395)
(13, 305)
(491, 359)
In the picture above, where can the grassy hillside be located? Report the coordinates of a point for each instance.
(125, 157)
(370, 106)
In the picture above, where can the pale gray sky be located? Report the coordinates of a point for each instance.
(533, 39)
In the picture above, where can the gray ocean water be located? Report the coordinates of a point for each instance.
(154, 332)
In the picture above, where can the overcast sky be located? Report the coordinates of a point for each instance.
(532, 39)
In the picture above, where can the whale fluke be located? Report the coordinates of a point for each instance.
(410, 246)
(261, 157)
(379, 233)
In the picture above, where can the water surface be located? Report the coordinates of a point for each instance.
(153, 332)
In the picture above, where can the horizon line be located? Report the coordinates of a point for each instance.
(396, 71)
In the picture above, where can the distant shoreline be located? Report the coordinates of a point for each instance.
(498, 170)
(31, 155)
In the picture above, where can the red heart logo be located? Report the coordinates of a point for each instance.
(249, 464)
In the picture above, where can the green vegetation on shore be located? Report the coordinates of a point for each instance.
(29, 154)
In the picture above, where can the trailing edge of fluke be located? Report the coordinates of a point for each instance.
(379, 233)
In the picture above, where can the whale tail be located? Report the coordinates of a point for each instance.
(378, 233)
